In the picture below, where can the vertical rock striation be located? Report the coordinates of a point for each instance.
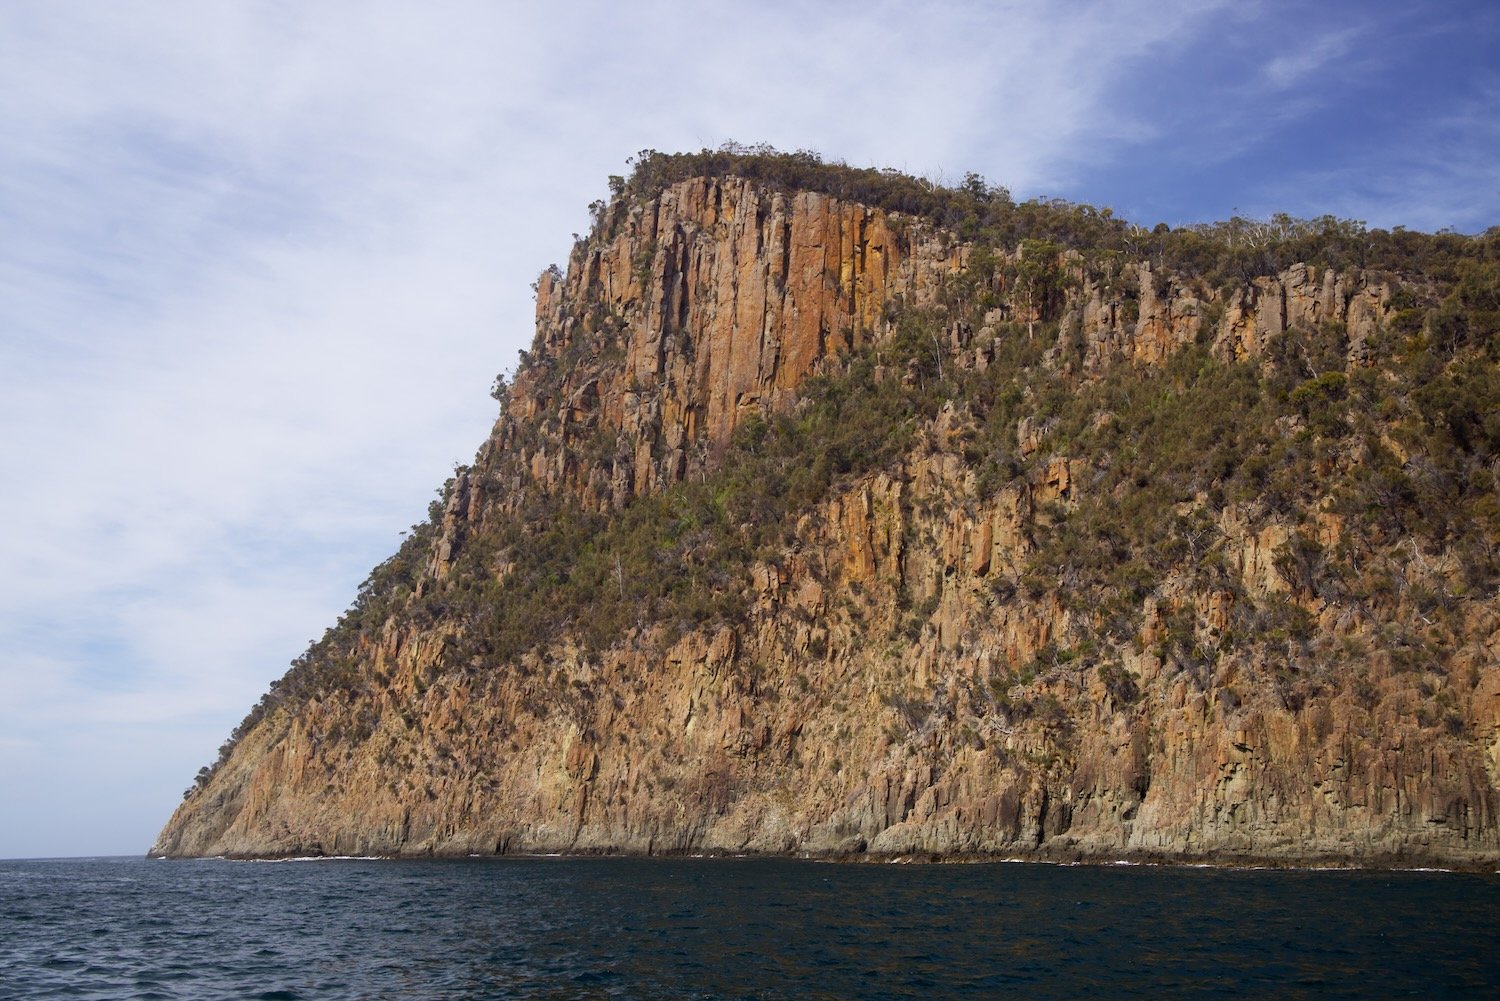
(902, 680)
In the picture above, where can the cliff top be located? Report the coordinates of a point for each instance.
(986, 214)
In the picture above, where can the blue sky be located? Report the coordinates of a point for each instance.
(263, 260)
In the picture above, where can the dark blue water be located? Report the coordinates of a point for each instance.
(622, 928)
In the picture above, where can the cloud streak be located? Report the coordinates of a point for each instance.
(264, 259)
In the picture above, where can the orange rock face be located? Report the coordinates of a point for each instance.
(726, 297)
(905, 681)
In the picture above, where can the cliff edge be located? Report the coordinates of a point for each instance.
(833, 513)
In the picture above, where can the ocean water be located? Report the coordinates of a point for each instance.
(546, 928)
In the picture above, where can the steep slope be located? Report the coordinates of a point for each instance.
(930, 524)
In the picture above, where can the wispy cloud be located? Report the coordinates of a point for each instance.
(1306, 59)
(262, 260)
(1442, 174)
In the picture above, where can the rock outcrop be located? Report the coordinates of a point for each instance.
(724, 297)
(905, 676)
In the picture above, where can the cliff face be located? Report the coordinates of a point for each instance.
(925, 660)
(720, 298)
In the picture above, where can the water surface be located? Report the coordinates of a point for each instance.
(766, 929)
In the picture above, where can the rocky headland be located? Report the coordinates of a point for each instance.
(830, 514)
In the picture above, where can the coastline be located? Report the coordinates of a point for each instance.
(1313, 862)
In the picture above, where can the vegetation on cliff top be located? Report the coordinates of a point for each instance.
(1237, 249)
(1402, 448)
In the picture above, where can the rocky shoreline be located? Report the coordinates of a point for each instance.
(1377, 862)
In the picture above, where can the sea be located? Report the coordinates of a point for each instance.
(566, 928)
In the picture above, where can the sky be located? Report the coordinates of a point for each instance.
(263, 260)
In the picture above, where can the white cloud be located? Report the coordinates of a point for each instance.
(1307, 58)
(263, 260)
(1459, 190)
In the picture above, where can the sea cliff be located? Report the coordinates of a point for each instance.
(814, 523)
